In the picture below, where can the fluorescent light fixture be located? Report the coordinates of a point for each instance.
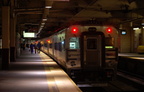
(29, 34)
(42, 23)
(42, 26)
(44, 19)
(48, 7)
(136, 28)
(142, 23)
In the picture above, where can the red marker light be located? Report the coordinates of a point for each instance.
(74, 30)
(48, 41)
(109, 30)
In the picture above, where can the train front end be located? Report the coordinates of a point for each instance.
(88, 53)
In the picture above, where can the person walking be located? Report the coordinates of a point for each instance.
(35, 47)
(31, 47)
(38, 47)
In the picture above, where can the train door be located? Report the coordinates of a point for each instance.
(92, 50)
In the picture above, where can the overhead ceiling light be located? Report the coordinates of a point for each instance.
(136, 28)
(42, 23)
(42, 26)
(48, 7)
(44, 19)
(142, 24)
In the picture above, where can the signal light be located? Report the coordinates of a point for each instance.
(74, 30)
(109, 30)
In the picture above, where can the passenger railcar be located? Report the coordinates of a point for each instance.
(82, 51)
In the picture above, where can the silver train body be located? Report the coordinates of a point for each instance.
(84, 50)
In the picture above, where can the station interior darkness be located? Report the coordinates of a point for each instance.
(26, 21)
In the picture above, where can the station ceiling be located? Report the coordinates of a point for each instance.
(33, 15)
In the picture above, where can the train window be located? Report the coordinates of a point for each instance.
(55, 46)
(91, 43)
(74, 43)
(45, 44)
(50, 45)
(59, 46)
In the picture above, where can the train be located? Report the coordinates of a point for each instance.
(85, 51)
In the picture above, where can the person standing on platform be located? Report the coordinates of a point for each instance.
(23, 46)
(35, 47)
(31, 47)
(38, 47)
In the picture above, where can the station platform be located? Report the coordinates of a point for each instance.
(132, 55)
(35, 73)
(132, 63)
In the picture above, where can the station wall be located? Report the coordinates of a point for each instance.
(132, 39)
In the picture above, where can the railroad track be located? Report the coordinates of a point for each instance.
(135, 81)
(123, 83)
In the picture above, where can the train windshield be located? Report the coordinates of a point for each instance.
(91, 43)
(74, 43)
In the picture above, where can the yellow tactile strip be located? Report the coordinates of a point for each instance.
(57, 79)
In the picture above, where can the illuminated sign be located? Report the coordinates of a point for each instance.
(123, 32)
(29, 34)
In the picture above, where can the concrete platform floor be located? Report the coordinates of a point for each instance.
(35, 73)
(24, 75)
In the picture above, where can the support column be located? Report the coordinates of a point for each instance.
(5, 37)
(12, 40)
(142, 31)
